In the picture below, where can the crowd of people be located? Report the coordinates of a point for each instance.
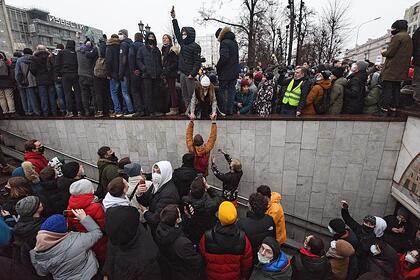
(119, 77)
(170, 224)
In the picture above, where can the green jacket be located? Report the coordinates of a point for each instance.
(371, 101)
(108, 170)
(337, 95)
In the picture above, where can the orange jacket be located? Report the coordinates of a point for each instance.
(315, 95)
(207, 147)
(275, 210)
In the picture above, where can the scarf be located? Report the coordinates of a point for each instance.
(48, 239)
(112, 201)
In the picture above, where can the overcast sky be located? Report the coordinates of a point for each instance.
(110, 16)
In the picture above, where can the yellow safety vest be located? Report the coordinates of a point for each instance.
(292, 97)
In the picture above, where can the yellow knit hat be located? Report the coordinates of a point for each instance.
(227, 213)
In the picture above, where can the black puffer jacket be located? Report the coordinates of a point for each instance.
(385, 263)
(185, 175)
(204, 217)
(63, 185)
(124, 69)
(228, 64)
(306, 267)
(149, 60)
(169, 61)
(166, 194)
(53, 199)
(354, 95)
(179, 260)
(112, 58)
(190, 55)
(67, 60)
(257, 227)
(42, 68)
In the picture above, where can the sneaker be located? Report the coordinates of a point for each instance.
(99, 114)
(381, 113)
(173, 112)
(158, 114)
(139, 115)
(79, 114)
(69, 115)
(129, 115)
(118, 115)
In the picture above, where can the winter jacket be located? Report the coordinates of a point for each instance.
(53, 199)
(279, 269)
(179, 260)
(308, 266)
(70, 259)
(149, 61)
(405, 271)
(247, 101)
(12, 270)
(353, 267)
(337, 96)
(136, 260)
(398, 241)
(398, 58)
(227, 253)
(275, 210)
(124, 67)
(339, 259)
(54, 65)
(86, 61)
(190, 55)
(112, 201)
(23, 76)
(257, 227)
(67, 60)
(96, 212)
(263, 98)
(63, 184)
(353, 94)
(183, 177)
(37, 159)
(166, 194)
(203, 151)
(230, 180)
(102, 48)
(371, 101)
(108, 170)
(203, 100)
(204, 217)
(132, 184)
(112, 58)
(228, 64)
(132, 55)
(7, 81)
(170, 61)
(315, 95)
(385, 263)
(5, 233)
(305, 88)
(42, 69)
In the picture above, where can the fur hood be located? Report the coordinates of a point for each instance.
(226, 33)
(176, 49)
(113, 41)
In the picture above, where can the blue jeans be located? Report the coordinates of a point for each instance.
(24, 100)
(229, 87)
(114, 85)
(125, 86)
(60, 96)
(48, 100)
(33, 105)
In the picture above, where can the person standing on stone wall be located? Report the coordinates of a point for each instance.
(124, 70)
(86, 58)
(416, 62)
(137, 92)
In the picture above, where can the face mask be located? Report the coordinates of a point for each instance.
(113, 158)
(367, 229)
(41, 149)
(262, 259)
(156, 179)
(394, 31)
(331, 230)
(333, 244)
(121, 37)
(374, 250)
(410, 259)
(184, 37)
(318, 78)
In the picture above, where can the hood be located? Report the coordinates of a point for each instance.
(314, 264)
(341, 81)
(127, 40)
(121, 224)
(81, 201)
(112, 201)
(71, 45)
(176, 49)
(102, 162)
(277, 265)
(275, 197)
(325, 84)
(27, 227)
(41, 54)
(113, 41)
(166, 235)
(188, 160)
(32, 155)
(147, 40)
(226, 33)
(190, 35)
(165, 171)
(344, 248)
(380, 227)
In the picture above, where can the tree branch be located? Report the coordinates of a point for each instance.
(225, 22)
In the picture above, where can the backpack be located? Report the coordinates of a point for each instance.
(4, 69)
(323, 105)
(100, 67)
(201, 163)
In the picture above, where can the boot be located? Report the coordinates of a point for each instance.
(173, 112)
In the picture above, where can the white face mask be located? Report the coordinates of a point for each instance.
(333, 244)
(156, 180)
(121, 37)
(410, 259)
(184, 37)
(331, 230)
(262, 259)
(374, 250)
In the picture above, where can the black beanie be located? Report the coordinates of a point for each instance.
(188, 159)
(338, 226)
(401, 24)
(218, 32)
(338, 72)
(274, 245)
(121, 224)
(70, 169)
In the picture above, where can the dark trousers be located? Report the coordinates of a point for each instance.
(390, 94)
(137, 93)
(226, 101)
(88, 96)
(153, 100)
(288, 110)
(171, 83)
(103, 97)
(71, 80)
(48, 100)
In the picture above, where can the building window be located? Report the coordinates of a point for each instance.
(415, 10)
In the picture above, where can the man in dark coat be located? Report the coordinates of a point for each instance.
(382, 259)
(67, 69)
(53, 199)
(149, 62)
(227, 68)
(398, 56)
(132, 254)
(58, 83)
(185, 175)
(179, 260)
(41, 68)
(86, 58)
(72, 171)
(112, 60)
(136, 83)
(398, 231)
(257, 225)
(354, 90)
(189, 59)
(124, 69)
(108, 169)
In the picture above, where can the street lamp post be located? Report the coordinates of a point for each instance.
(291, 7)
(360, 25)
(143, 30)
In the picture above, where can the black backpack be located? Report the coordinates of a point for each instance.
(323, 105)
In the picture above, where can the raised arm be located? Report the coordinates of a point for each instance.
(189, 137)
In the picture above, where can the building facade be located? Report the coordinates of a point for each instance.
(30, 27)
(412, 15)
(209, 49)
